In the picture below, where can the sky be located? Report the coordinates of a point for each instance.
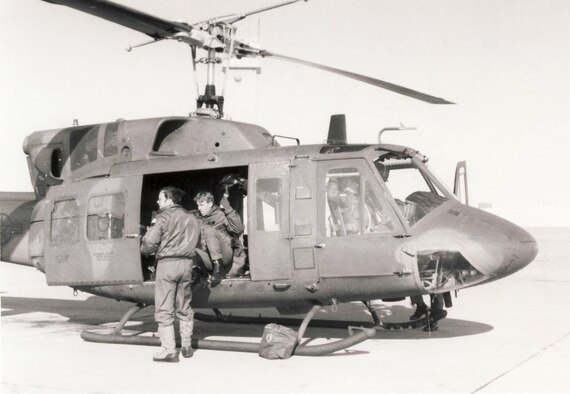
(506, 65)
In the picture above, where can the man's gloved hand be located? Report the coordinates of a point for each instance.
(225, 204)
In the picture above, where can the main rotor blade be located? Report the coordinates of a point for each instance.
(233, 18)
(359, 77)
(152, 26)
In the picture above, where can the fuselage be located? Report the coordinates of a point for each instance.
(324, 223)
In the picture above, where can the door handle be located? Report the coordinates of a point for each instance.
(132, 235)
(320, 246)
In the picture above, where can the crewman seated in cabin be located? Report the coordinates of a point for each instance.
(219, 225)
(344, 202)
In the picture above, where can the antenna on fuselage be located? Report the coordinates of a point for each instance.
(397, 128)
(337, 130)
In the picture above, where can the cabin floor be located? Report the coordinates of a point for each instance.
(510, 336)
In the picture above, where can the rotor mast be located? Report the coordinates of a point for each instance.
(212, 104)
(222, 29)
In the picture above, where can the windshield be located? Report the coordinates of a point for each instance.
(410, 184)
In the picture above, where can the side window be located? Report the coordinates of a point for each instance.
(376, 218)
(105, 217)
(83, 146)
(269, 203)
(110, 143)
(65, 222)
(344, 205)
(57, 162)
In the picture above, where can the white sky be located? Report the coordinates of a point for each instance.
(505, 63)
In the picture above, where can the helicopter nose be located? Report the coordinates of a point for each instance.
(460, 246)
(504, 248)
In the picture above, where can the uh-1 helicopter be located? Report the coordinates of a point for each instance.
(325, 224)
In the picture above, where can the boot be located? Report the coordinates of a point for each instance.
(436, 312)
(216, 276)
(431, 327)
(186, 329)
(421, 309)
(168, 353)
(187, 351)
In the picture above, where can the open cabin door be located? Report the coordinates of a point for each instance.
(268, 221)
(92, 233)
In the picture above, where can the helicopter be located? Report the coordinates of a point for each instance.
(325, 224)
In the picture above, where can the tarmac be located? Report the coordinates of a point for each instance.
(509, 336)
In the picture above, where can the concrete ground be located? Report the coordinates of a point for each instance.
(511, 336)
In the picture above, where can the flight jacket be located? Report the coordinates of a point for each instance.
(175, 234)
(228, 221)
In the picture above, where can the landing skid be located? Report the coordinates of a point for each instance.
(428, 321)
(433, 316)
(117, 337)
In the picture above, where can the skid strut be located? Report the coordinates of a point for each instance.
(119, 329)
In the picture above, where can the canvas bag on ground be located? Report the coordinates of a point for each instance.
(278, 342)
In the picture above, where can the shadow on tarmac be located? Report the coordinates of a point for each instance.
(97, 312)
(92, 311)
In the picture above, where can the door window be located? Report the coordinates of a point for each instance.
(65, 222)
(106, 217)
(343, 202)
(353, 207)
(269, 203)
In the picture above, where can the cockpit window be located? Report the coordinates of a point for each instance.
(411, 186)
(110, 146)
(83, 146)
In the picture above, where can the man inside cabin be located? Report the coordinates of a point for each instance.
(173, 238)
(219, 224)
(344, 200)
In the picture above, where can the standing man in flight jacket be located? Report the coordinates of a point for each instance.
(173, 238)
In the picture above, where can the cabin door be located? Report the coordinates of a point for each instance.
(268, 221)
(92, 233)
(356, 224)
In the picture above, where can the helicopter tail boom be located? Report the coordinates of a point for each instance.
(15, 212)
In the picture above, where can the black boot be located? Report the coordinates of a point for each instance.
(421, 310)
(216, 276)
(432, 326)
